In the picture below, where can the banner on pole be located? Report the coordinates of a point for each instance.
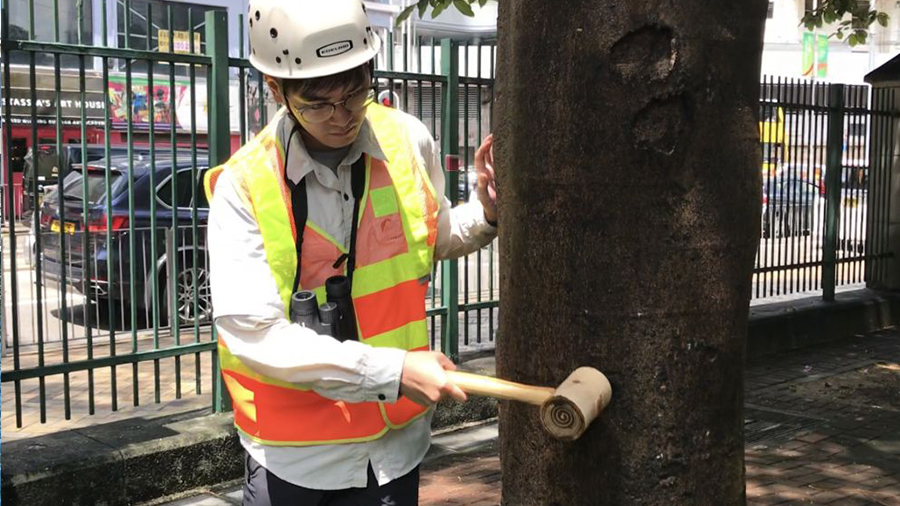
(821, 56)
(808, 50)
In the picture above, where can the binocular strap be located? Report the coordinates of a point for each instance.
(300, 209)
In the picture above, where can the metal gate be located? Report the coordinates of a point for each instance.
(819, 194)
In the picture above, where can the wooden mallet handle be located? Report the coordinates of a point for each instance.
(500, 389)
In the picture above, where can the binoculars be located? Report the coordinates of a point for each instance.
(335, 318)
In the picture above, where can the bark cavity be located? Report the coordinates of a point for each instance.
(647, 53)
(660, 125)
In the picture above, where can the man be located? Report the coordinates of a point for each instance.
(334, 185)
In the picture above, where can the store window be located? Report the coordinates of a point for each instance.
(156, 34)
(44, 14)
(809, 6)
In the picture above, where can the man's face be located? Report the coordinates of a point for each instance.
(337, 131)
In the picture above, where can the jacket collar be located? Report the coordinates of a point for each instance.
(300, 163)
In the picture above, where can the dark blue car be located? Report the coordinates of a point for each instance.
(77, 245)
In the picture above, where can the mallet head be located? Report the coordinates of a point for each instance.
(576, 403)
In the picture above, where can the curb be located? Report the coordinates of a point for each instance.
(137, 460)
(122, 462)
(779, 327)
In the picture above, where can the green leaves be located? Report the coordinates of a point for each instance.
(438, 7)
(464, 7)
(861, 17)
(405, 13)
(857, 38)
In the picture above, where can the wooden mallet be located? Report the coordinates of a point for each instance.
(566, 411)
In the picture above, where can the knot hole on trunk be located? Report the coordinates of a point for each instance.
(661, 124)
(647, 53)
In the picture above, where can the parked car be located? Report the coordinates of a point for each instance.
(790, 207)
(468, 184)
(71, 229)
(45, 166)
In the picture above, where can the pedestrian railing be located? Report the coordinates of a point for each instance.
(820, 192)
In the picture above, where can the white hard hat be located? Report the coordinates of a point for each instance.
(301, 39)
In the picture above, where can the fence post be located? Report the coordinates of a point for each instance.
(833, 161)
(219, 136)
(2, 302)
(217, 48)
(171, 283)
(450, 148)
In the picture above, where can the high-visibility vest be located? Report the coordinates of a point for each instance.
(394, 259)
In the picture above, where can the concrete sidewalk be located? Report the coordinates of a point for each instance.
(821, 427)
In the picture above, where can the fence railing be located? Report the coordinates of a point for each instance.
(819, 192)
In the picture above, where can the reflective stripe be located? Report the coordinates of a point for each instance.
(270, 216)
(401, 413)
(411, 336)
(229, 362)
(383, 275)
(209, 181)
(378, 312)
(241, 398)
(289, 415)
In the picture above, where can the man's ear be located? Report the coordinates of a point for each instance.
(275, 88)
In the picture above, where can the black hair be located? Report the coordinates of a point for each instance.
(352, 79)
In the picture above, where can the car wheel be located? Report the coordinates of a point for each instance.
(187, 281)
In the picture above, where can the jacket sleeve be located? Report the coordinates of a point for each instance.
(461, 229)
(250, 317)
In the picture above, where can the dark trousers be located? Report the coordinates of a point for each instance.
(262, 488)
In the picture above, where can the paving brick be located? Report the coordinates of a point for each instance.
(813, 437)
(851, 501)
(826, 496)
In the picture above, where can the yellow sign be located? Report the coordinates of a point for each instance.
(162, 38)
(182, 41)
(69, 228)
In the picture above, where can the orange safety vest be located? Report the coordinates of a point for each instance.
(394, 259)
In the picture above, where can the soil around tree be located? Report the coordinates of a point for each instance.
(875, 386)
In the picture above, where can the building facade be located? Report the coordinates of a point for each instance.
(783, 53)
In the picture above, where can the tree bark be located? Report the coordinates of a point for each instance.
(629, 172)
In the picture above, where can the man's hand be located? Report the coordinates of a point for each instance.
(487, 185)
(424, 381)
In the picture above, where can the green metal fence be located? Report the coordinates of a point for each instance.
(820, 195)
(106, 291)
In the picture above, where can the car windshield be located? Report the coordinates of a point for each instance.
(74, 189)
(791, 188)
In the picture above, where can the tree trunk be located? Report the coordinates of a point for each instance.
(630, 214)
